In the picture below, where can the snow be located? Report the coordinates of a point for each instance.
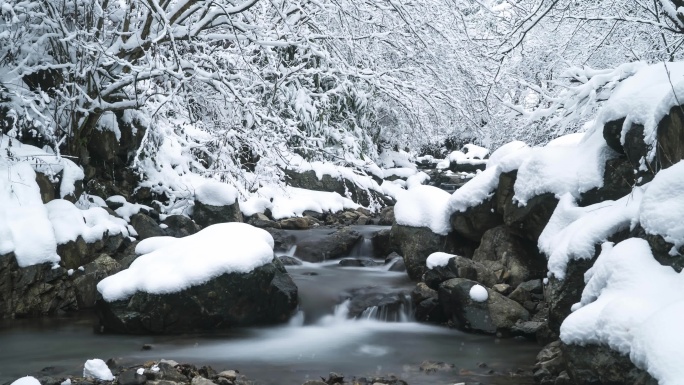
(292, 202)
(401, 172)
(572, 231)
(634, 305)
(563, 168)
(438, 259)
(645, 98)
(215, 193)
(170, 267)
(389, 159)
(662, 208)
(97, 369)
(28, 380)
(107, 122)
(25, 228)
(505, 150)
(424, 206)
(92, 224)
(478, 293)
(475, 152)
(127, 210)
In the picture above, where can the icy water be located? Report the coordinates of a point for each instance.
(318, 340)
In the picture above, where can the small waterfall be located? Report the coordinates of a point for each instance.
(399, 311)
(362, 249)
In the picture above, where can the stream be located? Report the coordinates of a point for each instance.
(319, 339)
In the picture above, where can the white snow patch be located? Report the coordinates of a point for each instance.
(438, 259)
(634, 305)
(572, 231)
(127, 210)
(292, 202)
(28, 380)
(193, 260)
(97, 369)
(424, 206)
(69, 222)
(478, 293)
(662, 209)
(215, 193)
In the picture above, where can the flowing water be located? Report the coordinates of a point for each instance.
(319, 339)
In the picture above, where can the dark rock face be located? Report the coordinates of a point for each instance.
(335, 245)
(267, 295)
(78, 253)
(497, 314)
(618, 179)
(40, 290)
(562, 294)
(283, 240)
(146, 227)
(387, 216)
(511, 258)
(594, 364)
(475, 221)
(359, 262)
(612, 132)
(47, 188)
(309, 180)
(382, 243)
(180, 226)
(660, 248)
(207, 215)
(635, 149)
(426, 305)
(459, 267)
(415, 244)
(466, 167)
(670, 149)
(530, 220)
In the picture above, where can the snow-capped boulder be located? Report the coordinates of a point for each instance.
(216, 202)
(224, 276)
(415, 244)
(362, 191)
(476, 220)
(670, 149)
(490, 314)
(618, 180)
(531, 218)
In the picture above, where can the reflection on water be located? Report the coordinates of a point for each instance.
(319, 339)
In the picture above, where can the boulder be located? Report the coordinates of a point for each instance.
(47, 188)
(78, 253)
(396, 262)
(618, 179)
(334, 245)
(670, 136)
(426, 305)
(359, 262)
(475, 221)
(562, 294)
(505, 190)
(415, 244)
(529, 220)
(382, 243)
(612, 133)
(297, 223)
(262, 221)
(528, 294)
(207, 215)
(496, 315)
(467, 167)
(459, 267)
(283, 240)
(146, 227)
(512, 258)
(287, 260)
(550, 363)
(386, 216)
(267, 295)
(598, 364)
(180, 226)
(85, 282)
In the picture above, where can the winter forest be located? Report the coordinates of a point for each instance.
(322, 192)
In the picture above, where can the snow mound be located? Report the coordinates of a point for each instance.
(438, 259)
(290, 202)
(635, 306)
(28, 380)
(662, 208)
(215, 193)
(645, 98)
(567, 166)
(127, 210)
(478, 293)
(97, 369)
(69, 222)
(169, 267)
(572, 231)
(424, 206)
(505, 150)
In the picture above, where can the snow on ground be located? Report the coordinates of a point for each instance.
(474, 155)
(438, 259)
(127, 210)
(173, 265)
(572, 231)
(215, 193)
(389, 159)
(97, 369)
(69, 222)
(662, 209)
(424, 206)
(292, 202)
(28, 380)
(634, 305)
